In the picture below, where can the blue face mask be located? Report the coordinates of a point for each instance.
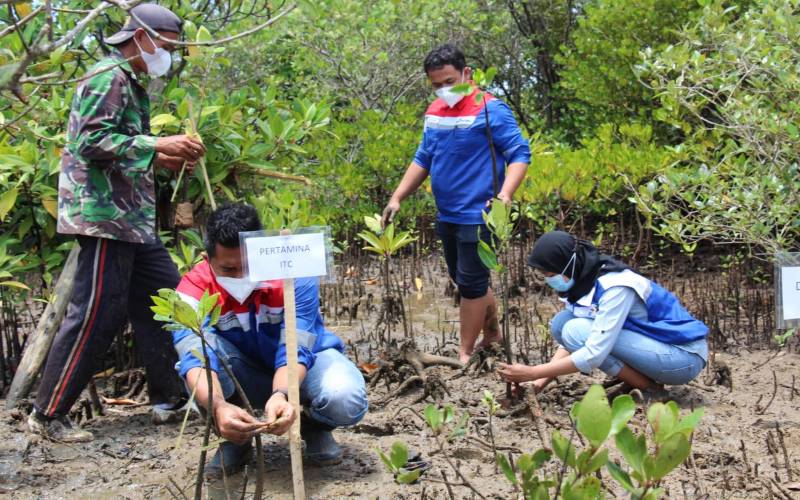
(557, 282)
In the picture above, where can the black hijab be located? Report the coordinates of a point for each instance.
(553, 251)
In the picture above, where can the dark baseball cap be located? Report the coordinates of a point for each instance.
(154, 16)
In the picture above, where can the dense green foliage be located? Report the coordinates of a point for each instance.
(675, 116)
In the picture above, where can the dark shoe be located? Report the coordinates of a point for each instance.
(234, 456)
(57, 429)
(653, 394)
(165, 413)
(321, 448)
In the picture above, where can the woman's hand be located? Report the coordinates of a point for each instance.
(516, 372)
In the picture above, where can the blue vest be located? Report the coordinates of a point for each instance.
(667, 320)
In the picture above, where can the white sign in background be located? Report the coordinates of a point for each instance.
(790, 292)
(283, 257)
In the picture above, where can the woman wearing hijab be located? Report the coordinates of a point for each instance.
(615, 320)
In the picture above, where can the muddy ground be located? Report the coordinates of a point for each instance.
(751, 426)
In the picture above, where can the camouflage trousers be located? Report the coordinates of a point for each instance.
(113, 284)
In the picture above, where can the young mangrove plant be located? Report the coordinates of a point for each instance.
(576, 473)
(176, 314)
(385, 243)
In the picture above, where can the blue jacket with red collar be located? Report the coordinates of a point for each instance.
(455, 150)
(256, 327)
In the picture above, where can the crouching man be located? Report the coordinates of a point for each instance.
(249, 335)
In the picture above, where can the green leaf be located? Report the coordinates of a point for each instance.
(688, 423)
(373, 223)
(433, 417)
(185, 315)
(462, 88)
(663, 419)
(620, 476)
(593, 416)
(7, 201)
(408, 477)
(563, 448)
(398, 454)
(597, 461)
(505, 466)
(622, 410)
(15, 284)
(203, 35)
(487, 256)
(633, 448)
(385, 460)
(587, 487)
(163, 120)
(671, 454)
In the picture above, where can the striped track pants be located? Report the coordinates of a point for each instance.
(113, 284)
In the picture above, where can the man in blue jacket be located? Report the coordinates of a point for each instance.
(455, 152)
(249, 335)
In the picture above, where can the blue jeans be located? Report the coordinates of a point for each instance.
(663, 363)
(333, 390)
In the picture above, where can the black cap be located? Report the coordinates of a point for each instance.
(156, 17)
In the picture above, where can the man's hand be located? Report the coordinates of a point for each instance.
(173, 163)
(389, 212)
(516, 372)
(234, 423)
(505, 198)
(280, 414)
(182, 146)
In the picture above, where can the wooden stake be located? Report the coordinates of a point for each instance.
(290, 318)
(38, 344)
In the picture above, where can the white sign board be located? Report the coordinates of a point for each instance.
(790, 292)
(283, 257)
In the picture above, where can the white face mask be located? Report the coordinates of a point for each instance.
(238, 288)
(157, 63)
(448, 96)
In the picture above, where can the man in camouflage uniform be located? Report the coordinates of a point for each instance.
(106, 197)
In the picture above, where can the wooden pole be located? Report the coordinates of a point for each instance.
(290, 319)
(38, 345)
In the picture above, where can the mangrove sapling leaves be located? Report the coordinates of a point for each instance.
(185, 315)
(595, 462)
(460, 429)
(622, 410)
(508, 471)
(408, 477)
(688, 423)
(593, 416)
(487, 256)
(620, 476)
(586, 487)
(386, 460)
(433, 418)
(373, 223)
(671, 453)
(663, 418)
(634, 449)
(563, 448)
(462, 88)
(398, 454)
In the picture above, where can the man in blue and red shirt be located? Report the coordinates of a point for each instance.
(455, 152)
(249, 336)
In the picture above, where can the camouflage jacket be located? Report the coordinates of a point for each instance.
(107, 184)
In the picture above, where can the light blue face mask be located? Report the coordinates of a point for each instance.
(557, 282)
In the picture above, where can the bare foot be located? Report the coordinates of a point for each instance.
(464, 357)
(486, 340)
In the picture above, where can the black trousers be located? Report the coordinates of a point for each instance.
(113, 283)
